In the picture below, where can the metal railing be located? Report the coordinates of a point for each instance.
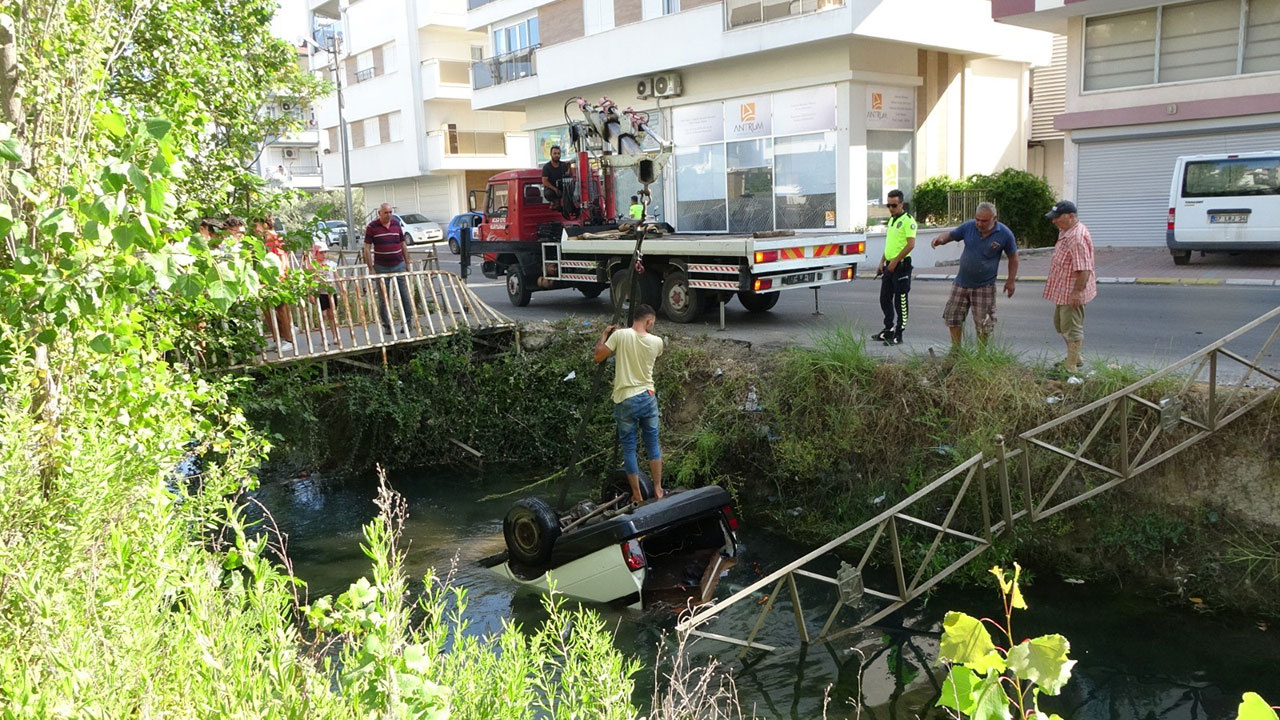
(471, 142)
(950, 521)
(504, 68)
(962, 205)
(739, 13)
(366, 74)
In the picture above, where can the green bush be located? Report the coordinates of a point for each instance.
(1020, 197)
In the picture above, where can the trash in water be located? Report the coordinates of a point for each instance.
(1073, 380)
(1073, 581)
(572, 374)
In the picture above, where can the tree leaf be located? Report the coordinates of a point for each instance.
(10, 150)
(1043, 660)
(966, 641)
(158, 127)
(47, 336)
(112, 123)
(1253, 707)
(958, 690)
(101, 343)
(990, 701)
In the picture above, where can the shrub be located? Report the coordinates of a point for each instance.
(929, 199)
(1021, 198)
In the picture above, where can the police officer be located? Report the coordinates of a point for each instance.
(895, 270)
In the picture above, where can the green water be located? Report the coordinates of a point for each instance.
(1137, 658)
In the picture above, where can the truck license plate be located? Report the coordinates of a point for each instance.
(1217, 218)
(799, 279)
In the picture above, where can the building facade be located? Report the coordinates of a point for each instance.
(1147, 82)
(797, 114)
(414, 140)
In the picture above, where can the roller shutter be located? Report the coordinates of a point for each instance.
(1122, 186)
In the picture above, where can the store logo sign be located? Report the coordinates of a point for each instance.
(748, 125)
(877, 101)
(747, 112)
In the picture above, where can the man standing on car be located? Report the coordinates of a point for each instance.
(635, 403)
(975, 286)
(895, 270)
(552, 173)
(1071, 282)
(384, 253)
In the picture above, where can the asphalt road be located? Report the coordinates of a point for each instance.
(1147, 325)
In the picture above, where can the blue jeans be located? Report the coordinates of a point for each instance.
(384, 291)
(635, 416)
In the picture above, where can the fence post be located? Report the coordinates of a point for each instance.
(1124, 436)
(1006, 502)
(1213, 391)
(1026, 478)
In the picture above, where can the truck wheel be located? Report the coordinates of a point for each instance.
(1181, 257)
(518, 291)
(680, 302)
(763, 302)
(592, 291)
(620, 290)
(530, 528)
(616, 483)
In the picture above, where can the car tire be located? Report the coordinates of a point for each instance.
(518, 291)
(530, 528)
(407, 238)
(592, 291)
(454, 247)
(758, 303)
(620, 291)
(616, 483)
(680, 302)
(1181, 257)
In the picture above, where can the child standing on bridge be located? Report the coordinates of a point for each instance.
(635, 403)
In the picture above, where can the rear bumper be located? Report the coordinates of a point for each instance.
(1177, 246)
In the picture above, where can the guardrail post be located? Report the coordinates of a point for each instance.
(1026, 478)
(986, 502)
(1006, 503)
(1213, 391)
(1124, 436)
(897, 559)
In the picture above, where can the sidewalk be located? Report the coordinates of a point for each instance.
(1144, 266)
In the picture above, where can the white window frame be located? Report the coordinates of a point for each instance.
(597, 16)
(1240, 48)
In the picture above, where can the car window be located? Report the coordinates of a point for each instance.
(1232, 176)
(414, 218)
(533, 194)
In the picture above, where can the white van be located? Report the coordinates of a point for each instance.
(1224, 203)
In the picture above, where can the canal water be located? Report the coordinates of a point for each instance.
(1137, 659)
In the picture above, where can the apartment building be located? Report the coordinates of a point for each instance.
(797, 114)
(414, 140)
(1146, 82)
(292, 160)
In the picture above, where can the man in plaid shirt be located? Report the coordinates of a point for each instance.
(1072, 282)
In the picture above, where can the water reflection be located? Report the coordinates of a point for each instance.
(1136, 659)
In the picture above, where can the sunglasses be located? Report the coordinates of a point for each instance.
(892, 205)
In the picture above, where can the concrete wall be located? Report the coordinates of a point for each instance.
(995, 116)
(560, 21)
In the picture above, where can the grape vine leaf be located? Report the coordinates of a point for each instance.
(966, 642)
(1044, 661)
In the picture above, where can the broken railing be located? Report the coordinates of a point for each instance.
(913, 545)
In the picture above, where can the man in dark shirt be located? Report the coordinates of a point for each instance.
(384, 253)
(985, 240)
(552, 173)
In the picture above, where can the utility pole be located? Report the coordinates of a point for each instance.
(332, 47)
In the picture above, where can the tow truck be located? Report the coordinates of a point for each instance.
(580, 242)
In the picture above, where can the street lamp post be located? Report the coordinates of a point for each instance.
(332, 48)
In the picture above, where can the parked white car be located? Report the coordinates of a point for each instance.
(418, 230)
(665, 549)
(1224, 203)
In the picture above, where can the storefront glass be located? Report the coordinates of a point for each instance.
(750, 195)
(700, 188)
(888, 167)
(805, 181)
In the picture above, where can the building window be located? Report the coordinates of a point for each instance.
(804, 185)
(889, 166)
(1187, 41)
(749, 12)
(670, 7)
(597, 16)
(700, 188)
(515, 37)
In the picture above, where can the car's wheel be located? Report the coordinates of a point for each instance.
(758, 303)
(592, 291)
(620, 291)
(518, 291)
(679, 301)
(616, 483)
(530, 528)
(408, 239)
(454, 247)
(1181, 257)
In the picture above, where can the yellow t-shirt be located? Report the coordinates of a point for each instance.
(636, 353)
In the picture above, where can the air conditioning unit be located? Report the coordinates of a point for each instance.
(644, 88)
(667, 85)
(290, 154)
(286, 106)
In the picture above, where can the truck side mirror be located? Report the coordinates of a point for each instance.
(471, 201)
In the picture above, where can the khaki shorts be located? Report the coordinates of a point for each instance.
(1068, 321)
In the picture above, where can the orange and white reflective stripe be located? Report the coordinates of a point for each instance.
(713, 284)
(723, 269)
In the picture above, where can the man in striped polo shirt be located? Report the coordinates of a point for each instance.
(384, 252)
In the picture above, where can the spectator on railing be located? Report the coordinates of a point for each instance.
(326, 269)
(384, 253)
(282, 329)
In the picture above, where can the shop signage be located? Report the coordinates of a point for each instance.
(804, 111)
(698, 124)
(749, 117)
(891, 108)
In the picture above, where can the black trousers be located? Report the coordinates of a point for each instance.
(894, 287)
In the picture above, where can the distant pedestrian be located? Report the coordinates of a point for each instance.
(282, 328)
(328, 295)
(895, 269)
(1072, 282)
(384, 253)
(984, 240)
(636, 211)
(635, 402)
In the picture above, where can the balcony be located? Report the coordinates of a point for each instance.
(309, 136)
(446, 79)
(504, 68)
(474, 150)
(738, 13)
